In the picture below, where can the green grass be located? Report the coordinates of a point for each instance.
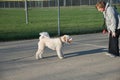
(73, 20)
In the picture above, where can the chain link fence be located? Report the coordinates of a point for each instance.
(76, 16)
(49, 3)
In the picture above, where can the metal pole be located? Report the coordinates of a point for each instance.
(80, 2)
(58, 17)
(64, 3)
(26, 11)
(71, 3)
(89, 2)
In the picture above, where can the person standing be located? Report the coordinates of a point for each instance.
(112, 20)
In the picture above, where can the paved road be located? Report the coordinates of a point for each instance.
(85, 59)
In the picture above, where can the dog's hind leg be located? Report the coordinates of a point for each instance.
(39, 54)
(40, 50)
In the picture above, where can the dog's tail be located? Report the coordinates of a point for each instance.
(43, 35)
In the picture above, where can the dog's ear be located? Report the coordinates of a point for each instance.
(64, 38)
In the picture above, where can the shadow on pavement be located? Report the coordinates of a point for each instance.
(80, 53)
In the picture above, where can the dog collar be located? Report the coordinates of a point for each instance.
(61, 41)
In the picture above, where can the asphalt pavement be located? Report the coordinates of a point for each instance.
(85, 59)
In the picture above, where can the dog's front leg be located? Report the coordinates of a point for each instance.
(60, 53)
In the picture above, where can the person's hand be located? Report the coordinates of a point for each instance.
(104, 31)
(113, 34)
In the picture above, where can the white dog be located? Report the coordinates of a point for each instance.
(52, 43)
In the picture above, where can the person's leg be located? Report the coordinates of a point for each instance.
(113, 45)
(117, 35)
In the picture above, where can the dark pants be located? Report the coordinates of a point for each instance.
(114, 43)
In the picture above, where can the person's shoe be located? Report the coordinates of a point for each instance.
(107, 54)
(111, 55)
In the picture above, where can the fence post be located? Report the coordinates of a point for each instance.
(58, 18)
(26, 11)
(64, 2)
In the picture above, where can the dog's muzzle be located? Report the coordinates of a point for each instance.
(69, 40)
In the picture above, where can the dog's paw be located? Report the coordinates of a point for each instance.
(61, 57)
(37, 58)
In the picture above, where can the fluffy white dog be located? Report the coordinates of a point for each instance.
(52, 43)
